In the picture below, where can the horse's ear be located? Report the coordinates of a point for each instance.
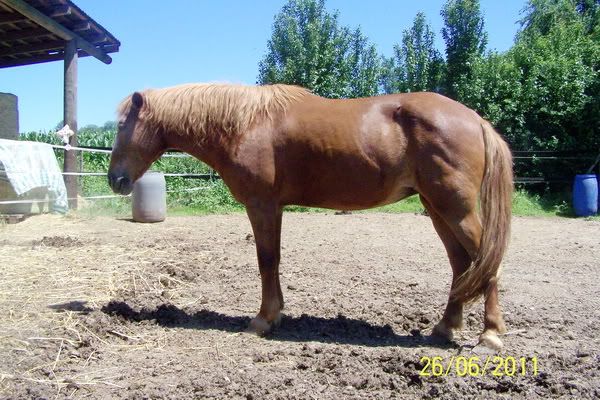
(137, 100)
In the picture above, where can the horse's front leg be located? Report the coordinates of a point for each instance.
(266, 224)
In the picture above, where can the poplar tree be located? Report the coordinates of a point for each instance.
(465, 39)
(308, 47)
(416, 64)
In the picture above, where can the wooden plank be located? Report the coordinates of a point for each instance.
(80, 27)
(24, 34)
(32, 48)
(11, 18)
(61, 11)
(70, 118)
(56, 28)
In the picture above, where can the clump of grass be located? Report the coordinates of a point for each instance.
(411, 204)
(213, 198)
(546, 204)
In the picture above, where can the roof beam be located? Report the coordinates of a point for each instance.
(56, 28)
(37, 59)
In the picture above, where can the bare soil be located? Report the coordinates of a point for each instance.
(104, 308)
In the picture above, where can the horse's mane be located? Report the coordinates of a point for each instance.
(203, 109)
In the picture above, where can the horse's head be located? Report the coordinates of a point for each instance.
(136, 146)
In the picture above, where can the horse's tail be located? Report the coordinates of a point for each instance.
(495, 212)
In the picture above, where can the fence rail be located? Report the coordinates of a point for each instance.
(519, 156)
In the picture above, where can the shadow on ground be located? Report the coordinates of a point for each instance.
(297, 329)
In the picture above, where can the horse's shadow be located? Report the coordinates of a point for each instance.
(305, 328)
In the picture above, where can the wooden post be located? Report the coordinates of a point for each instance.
(70, 118)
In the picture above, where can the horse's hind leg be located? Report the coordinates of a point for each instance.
(459, 227)
(459, 261)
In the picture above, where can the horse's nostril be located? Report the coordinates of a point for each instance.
(118, 183)
(122, 181)
(111, 179)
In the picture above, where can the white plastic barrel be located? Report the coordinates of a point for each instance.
(149, 199)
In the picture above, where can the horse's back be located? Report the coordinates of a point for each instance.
(362, 153)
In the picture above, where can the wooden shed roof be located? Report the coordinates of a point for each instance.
(35, 31)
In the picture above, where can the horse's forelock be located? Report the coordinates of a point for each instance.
(124, 107)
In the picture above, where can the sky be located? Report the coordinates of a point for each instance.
(169, 43)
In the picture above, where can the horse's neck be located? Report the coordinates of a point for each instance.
(211, 152)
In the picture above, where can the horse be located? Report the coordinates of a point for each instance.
(278, 145)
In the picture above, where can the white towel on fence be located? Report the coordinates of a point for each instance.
(29, 165)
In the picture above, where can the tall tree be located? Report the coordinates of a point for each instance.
(364, 67)
(542, 15)
(465, 39)
(309, 48)
(543, 92)
(416, 64)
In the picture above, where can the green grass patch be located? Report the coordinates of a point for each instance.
(119, 207)
(411, 204)
(541, 205)
(215, 198)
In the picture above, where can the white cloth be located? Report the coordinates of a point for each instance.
(30, 165)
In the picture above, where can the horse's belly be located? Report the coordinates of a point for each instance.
(348, 191)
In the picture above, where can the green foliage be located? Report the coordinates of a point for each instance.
(495, 90)
(363, 67)
(538, 205)
(309, 48)
(416, 65)
(465, 39)
(542, 15)
(560, 76)
(542, 93)
(215, 197)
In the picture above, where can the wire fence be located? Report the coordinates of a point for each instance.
(556, 168)
(210, 176)
(563, 165)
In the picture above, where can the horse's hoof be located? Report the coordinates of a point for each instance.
(440, 330)
(262, 327)
(490, 340)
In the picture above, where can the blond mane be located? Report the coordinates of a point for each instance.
(204, 109)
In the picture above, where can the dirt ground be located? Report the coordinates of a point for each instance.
(104, 308)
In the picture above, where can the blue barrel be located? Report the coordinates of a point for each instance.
(585, 195)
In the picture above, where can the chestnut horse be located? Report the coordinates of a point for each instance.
(278, 145)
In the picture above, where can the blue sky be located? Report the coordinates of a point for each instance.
(168, 43)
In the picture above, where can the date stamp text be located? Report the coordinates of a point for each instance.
(479, 366)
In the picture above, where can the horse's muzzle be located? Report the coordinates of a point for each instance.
(120, 184)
